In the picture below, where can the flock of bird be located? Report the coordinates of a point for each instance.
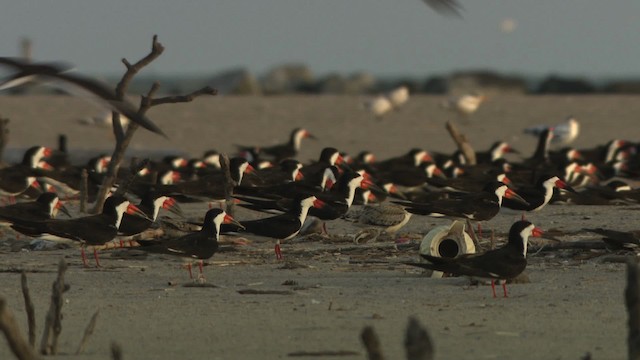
(383, 193)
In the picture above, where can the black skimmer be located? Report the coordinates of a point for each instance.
(199, 245)
(150, 205)
(17, 178)
(280, 152)
(338, 199)
(101, 91)
(480, 206)
(284, 226)
(45, 207)
(210, 186)
(413, 158)
(501, 264)
(410, 176)
(618, 239)
(329, 156)
(538, 196)
(286, 171)
(94, 230)
(613, 193)
(497, 151)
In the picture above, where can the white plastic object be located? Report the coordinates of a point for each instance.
(447, 241)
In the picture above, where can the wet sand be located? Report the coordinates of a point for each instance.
(572, 306)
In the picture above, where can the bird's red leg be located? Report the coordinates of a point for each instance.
(95, 256)
(493, 287)
(189, 269)
(504, 288)
(324, 228)
(200, 266)
(479, 230)
(278, 251)
(84, 257)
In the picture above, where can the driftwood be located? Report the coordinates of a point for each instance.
(124, 139)
(417, 342)
(28, 304)
(228, 185)
(8, 325)
(84, 190)
(88, 332)
(371, 343)
(53, 320)
(4, 137)
(116, 351)
(462, 143)
(632, 300)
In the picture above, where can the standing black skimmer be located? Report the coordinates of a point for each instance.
(284, 226)
(210, 186)
(17, 178)
(286, 171)
(617, 238)
(280, 152)
(410, 176)
(101, 91)
(500, 264)
(199, 245)
(150, 205)
(480, 206)
(495, 152)
(94, 230)
(328, 157)
(414, 157)
(45, 207)
(537, 197)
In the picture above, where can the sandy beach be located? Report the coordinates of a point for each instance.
(573, 305)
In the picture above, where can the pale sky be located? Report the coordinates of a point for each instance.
(385, 37)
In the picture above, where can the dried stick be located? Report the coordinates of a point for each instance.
(116, 351)
(84, 190)
(53, 320)
(88, 332)
(123, 139)
(4, 137)
(28, 304)
(417, 342)
(19, 346)
(462, 143)
(632, 300)
(228, 184)
(371, 343)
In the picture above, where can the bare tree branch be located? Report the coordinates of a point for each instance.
(632, 300)
(371, 343)
(53, 320)
(156, 50)
(8, 325)
(88, 332)
(183, 98)
(417, 342)
(28, 304)
(4, 137)
(462, 143)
